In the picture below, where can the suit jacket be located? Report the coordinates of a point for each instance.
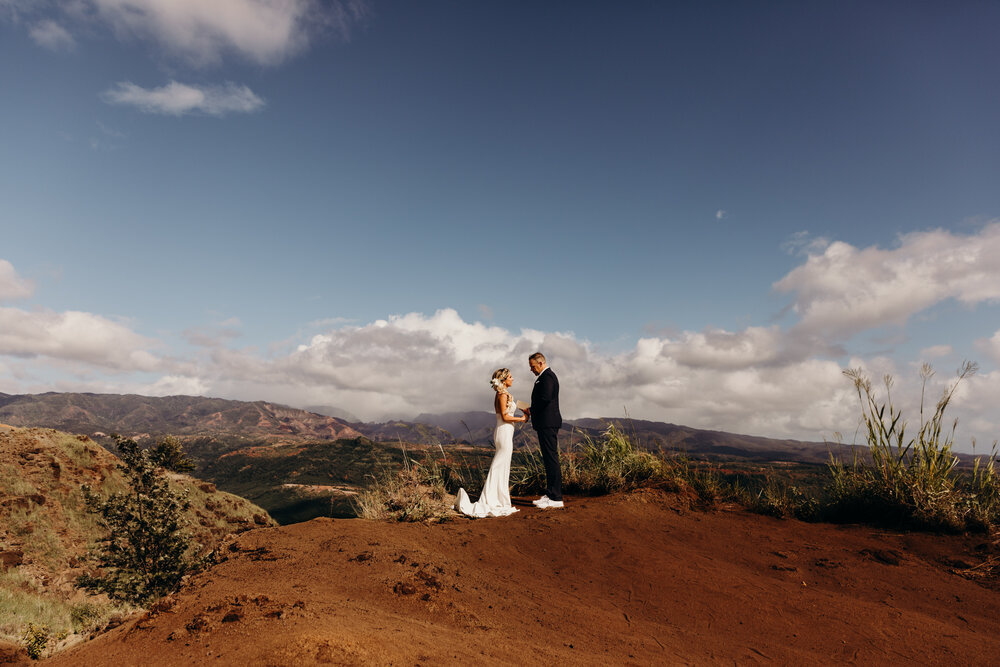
(545, 401)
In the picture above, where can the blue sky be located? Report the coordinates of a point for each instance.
(700, 211)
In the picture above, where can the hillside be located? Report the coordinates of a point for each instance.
(300, 465)
(134, 415)
(250, 423)
(45, 532)
(636, 580)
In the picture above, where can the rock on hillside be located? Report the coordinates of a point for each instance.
(45, 532)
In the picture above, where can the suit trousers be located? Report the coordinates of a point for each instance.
(547, 442)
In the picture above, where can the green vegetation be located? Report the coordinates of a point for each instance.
(301, 481)
(906, 482)
(36, 638)
(44, 518)
(417, 493)
(597, 466)
(143, 554)
(912, 481)
(169, 455)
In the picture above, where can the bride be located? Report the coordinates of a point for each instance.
(495, 498)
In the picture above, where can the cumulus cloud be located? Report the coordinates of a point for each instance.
(178, 99)
(408, 364)
(12, 286)
(844, 289)
(76, 337)
(263, 31)
(750, 381)
(990, 346)
(174, 385)
(936, 351)
(803, 242)
(52, 36)
(202, 33)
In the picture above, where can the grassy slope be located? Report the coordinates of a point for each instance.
(43, 524)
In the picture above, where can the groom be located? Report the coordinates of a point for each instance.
(546, 420)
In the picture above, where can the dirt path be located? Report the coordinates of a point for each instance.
(636, 579)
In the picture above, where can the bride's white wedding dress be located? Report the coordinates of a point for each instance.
(495, 498)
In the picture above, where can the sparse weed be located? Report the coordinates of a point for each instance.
(779, 499)
(415, 493)
(913, 481)
(609, 463)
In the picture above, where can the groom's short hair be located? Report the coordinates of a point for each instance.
(537, 356)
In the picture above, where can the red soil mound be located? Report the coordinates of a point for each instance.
(637, 579)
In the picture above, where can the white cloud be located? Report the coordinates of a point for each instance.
(177, 99)
(803, 243)
(751, 381)
(720, 349)
(936, 351)
(720, 214)
(845, 290)
(52, 36)
(76, 337)
(408, 364)
(263, 31)
(990, 346)
(201, 32)
(173, 385)
(12, 286)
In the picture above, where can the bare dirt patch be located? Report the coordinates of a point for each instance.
(637, 579)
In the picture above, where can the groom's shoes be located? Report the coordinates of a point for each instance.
(541, 501)
(549, 504)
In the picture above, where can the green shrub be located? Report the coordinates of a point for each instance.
(83, 616)
(169, 455)
(36, 638)
(143, 554)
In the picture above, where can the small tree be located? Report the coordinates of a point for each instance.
(142, 557)
(169, 454)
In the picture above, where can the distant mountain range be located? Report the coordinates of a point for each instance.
(193, 416)
(134, 415)
(298, 464)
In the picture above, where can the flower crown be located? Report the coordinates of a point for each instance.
(498, 385)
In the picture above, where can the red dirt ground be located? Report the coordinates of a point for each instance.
(638, 579)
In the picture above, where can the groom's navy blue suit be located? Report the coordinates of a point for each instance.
(546, 420)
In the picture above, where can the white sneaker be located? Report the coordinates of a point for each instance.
(550, 504)
(541, 501)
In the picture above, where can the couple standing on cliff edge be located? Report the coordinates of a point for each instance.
(545, 419)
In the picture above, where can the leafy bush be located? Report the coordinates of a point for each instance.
(36, 638)
(83, 616)
(143, 555)
(169, 454)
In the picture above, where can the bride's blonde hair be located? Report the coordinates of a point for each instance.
(500, 376)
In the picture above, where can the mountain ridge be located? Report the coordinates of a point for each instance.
(138, 416)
